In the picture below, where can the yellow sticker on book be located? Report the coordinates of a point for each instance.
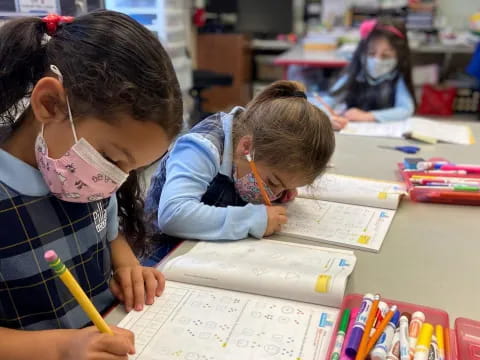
(323, 282)
(382, 195)
(363, 239)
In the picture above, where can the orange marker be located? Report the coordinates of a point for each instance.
(380, 330)
(259, 180)
(368, 326)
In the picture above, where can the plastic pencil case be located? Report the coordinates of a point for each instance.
(461, 343)
(443, 196)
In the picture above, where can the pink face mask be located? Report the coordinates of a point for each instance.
(82, 174)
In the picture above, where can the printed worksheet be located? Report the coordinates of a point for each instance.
(278, 269)
(355, 191)
(190, 322)
(395, 129)
(353, 226)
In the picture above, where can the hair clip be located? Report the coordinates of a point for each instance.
(299, 94)
(368, 25)
(51, 22)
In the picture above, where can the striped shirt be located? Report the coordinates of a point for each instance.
(32, 221)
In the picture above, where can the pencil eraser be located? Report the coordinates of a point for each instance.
(50, 255)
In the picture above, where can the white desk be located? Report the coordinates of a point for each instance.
(431, 253)
(314, 58)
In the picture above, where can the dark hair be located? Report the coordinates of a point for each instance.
(400, 44)
(110, 65)
(288, 132)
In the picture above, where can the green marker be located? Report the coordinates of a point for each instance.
(337, 349)
(471, 188)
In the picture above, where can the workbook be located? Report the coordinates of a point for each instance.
(344, 211)
(249, 300)
(415, 128)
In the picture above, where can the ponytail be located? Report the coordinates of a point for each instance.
(22, 64)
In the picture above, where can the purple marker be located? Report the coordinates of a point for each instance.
(353, 316)
(359, 326)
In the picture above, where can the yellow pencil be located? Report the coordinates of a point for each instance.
(66, 276)
(259, 180)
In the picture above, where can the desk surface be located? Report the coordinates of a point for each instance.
(431, 253)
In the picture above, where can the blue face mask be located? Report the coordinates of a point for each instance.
(376, 68)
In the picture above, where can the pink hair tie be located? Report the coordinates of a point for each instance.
(368, 25)
(52, 20)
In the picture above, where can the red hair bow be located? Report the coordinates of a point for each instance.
(52, 20)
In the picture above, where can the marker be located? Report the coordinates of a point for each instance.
(384, 343)
(440, 342)
(404, 344)
(381, 312)
(433, 351)
(337, 349)
(359, 326)
(428, 165)
(66, 276)
(394, 353)
(380, 329)
(423, 343)
(353, 316)
(461, 188)
(416, 323)
(473, 169)
(368, 326)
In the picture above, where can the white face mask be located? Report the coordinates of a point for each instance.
(377, 68)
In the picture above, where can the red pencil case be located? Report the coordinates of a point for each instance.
(461, 343)
(443, 196)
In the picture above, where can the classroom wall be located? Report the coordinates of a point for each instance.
(457, 12)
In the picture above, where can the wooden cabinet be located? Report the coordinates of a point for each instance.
(229, 54)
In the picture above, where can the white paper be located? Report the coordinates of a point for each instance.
(354, 191)
(277, 269)
(352, 226)
(196, 323)
(417, 127)
(38, 6)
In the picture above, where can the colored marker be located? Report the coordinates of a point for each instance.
(337, 349)
(471, 169)
(428, 165)
(416, 323)
(368, 326)
(433, 351)
(380, 329)
(384, 343)
(66, 276)
(440, 342)
(381, 312)
(359, 326)
(394, 353)
(353, 316)
(423, 343)
(404, 344)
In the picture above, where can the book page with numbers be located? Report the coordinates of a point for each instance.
(191, 322)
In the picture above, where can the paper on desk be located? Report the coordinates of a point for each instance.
(416, 127)
(354, 191)
(191, 322)
(353, 226)
(282, 270)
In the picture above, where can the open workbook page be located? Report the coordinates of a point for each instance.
(354, 191)
(278, 269)
(191, 322)
(353, 226)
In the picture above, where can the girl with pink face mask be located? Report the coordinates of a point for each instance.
(85, 102)
(204, 187)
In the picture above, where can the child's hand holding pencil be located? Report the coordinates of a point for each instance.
(338, 121)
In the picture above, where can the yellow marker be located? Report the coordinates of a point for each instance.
(66, 276)
(322, 284)
(440, 342)
(423, 342)
(363, 239)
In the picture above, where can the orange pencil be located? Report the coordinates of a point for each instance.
(379, 331)
(259, 180)
(325, 105)
(368, 327)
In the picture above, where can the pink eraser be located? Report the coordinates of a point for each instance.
(50, 255)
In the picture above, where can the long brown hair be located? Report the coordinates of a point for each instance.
(111, 65)
(287, 131)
